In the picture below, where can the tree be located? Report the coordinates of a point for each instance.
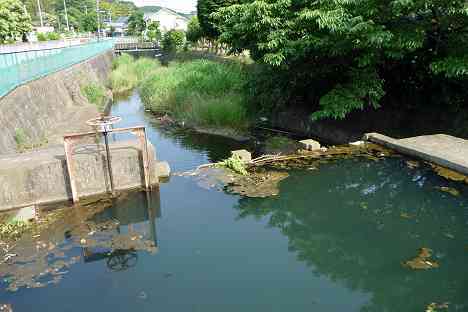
(194, 31)
(88, 23)
(350, 53)
(14, 20)
(173, 41)
(136, 24)
(205, 9)
(153, 33)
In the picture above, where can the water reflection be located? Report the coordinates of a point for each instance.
(356, 222)
(110, 230)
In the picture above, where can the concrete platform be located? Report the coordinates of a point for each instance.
(441, 149)
(41, 177)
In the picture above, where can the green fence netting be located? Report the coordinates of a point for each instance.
(21, 67)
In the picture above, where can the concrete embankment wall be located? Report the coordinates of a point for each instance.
(47, 108)
(41, 177)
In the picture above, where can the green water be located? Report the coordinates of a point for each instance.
(333, 240)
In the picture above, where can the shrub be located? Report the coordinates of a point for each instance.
(41, 37)
(95, 94)
(53, 36)
(173, 41)
(21, 139)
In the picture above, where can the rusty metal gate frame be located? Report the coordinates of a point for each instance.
(69, 141)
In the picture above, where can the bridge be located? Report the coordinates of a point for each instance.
(134, 44)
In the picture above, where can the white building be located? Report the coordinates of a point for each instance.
(168, 19)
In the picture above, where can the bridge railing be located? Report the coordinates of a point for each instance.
(18, 68)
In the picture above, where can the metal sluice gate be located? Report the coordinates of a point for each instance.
(104, 127)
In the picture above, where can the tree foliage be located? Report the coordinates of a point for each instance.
(349, 53)
(205, 9)
(14, 20)
(153, 32)
(194, 30)
(173, 41)
(79, 12)
(136, 24)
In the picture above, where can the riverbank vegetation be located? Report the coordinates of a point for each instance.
(200, 93)
(95, 94)
(337, 57)
(128, 73)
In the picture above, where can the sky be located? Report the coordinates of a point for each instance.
(178, 5)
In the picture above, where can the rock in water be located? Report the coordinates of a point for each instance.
(310, 145)
(243, 155)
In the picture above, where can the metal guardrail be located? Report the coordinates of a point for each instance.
(44, 45)
(17, 68)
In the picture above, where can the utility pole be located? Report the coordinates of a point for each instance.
(66, 14)
(40, 12)
(98, 19)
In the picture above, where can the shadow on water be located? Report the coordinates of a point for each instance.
(356, 222)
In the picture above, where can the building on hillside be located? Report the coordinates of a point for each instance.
(168, 19)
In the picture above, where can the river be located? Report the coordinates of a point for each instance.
(334, 239)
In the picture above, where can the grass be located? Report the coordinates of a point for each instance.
(200, 92)
(128, 73)
(96, 94)
(23, 142)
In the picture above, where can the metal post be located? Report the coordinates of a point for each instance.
(40, 12)
(66, 14)
(109, 165)
(98, 19)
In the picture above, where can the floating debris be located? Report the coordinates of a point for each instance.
(434, 307)
(412, 164)
(449, 174)
(260, 184)
(422, 262)
(405, 215)
(449, 190)
(6, 308)
(448, 235)
(142, 295)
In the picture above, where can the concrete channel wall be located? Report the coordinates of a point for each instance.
(441, 149)
(41, 177)
(45, 109)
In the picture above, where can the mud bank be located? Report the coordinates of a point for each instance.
(45, 109)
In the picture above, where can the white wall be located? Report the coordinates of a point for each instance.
(167, 20)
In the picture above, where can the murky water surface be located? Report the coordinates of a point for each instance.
(335, 239)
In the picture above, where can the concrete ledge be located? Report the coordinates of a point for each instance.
(41, 177)
(441, 149)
